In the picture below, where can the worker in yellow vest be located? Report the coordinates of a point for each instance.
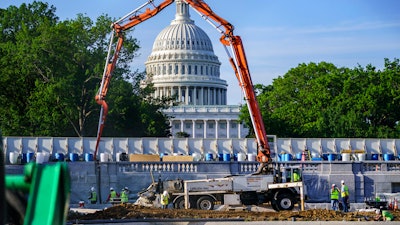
(164, 199)
(296, 176)
(112, 196)
(93, 196)
(345, 196)
(125, 195)
(335, 197)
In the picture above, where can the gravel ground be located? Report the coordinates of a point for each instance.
(131, 211)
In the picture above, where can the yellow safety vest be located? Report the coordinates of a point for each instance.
(335, 194)
(124, 196)
(164, 199)
(113, 194)
(296, 177)
(345, 191)
(93, 196)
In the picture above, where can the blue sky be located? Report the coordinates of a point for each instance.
(277, 34)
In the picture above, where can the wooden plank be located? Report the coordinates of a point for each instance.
(143, 158)
(177, 158)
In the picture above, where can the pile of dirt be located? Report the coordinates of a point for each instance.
(131, 211)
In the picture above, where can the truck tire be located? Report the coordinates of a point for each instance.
(205, 203)
(285, 201)
(180, 203)
(274, 205)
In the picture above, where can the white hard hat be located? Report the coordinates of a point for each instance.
(111, 189)
(333, 185)
(165, 192)
(92, 189)
(342, 182)
(126, 188)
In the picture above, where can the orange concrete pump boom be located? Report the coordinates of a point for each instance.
(238, 63)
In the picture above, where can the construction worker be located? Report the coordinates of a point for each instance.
(113, 194)
(345, 196)
(296, 176)
(383, 215)
(335, 197)
(125, 195)
(164, 199)
(93, 196)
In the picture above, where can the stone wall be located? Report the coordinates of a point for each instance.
(363, 178)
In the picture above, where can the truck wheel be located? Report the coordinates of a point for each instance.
(285, 201)
(274, 205)
(205, 203)
(180, 203)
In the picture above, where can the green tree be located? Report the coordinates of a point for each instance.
(295, 104)
(52, 70)
(320, 100)
(19, 50)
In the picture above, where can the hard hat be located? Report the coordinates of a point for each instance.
(92, 189)
(333, 185)
(126, 188)
(111, 189)
(342, 182)
(165, 192)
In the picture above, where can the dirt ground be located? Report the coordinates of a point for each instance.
(131, 211)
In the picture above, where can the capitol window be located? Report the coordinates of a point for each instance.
(233, 125)
(222, 125)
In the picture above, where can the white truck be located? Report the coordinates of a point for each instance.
(276, 189)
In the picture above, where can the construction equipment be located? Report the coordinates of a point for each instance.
(270, 185)
(282, 191)
(238, 62)
(40, 196)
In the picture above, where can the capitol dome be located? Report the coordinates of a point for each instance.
(183, 64)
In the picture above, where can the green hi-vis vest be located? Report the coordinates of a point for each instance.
(124, 196)
(93, 197)
(335, 194)
(113, 195)
(345, 191)
(164, 199)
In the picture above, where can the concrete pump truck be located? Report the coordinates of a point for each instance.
(269, 184)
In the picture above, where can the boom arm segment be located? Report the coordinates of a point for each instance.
(241, 68)
(239, 65)
(130, 20)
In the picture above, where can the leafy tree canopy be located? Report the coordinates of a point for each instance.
(51, 70)
(321, 100)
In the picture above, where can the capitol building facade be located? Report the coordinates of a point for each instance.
(183, 65)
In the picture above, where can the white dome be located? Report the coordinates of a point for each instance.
(183, 63)
(182, 33)
(182, 36)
